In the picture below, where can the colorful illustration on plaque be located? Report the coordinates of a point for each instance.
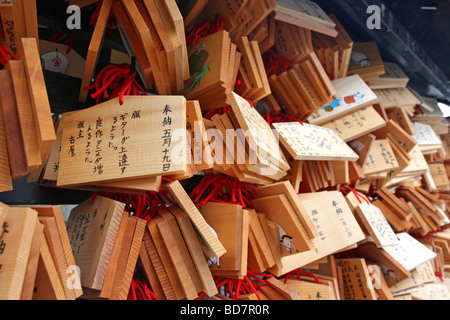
(346, 101)
(198, 67)
(285, 239)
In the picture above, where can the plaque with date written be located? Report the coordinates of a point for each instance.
(144, 137)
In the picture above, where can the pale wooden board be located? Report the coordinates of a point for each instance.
(5, 170)
(259, 133)
(130, 124)
(360, 96)
(164, 255)
(166, 286)
(310, 291)
(377, 225)
(108, 283)
(92, 239)
(211, 245)
(182, 247)
(355, 272)
(94, 48)
(226, 221)
(16, 239)
(47, 284)
(278, 210)
(380, 158)
(11, 123)
(291, 194)
(25, 112)
(310, 142)
(410, 253)
(397, 97)
(129, 186)
(333, 234)
(56, 249)
(195, 250)
(357, 124)
(39, 101)
(33, 262)
(425, 135)
(132, 257)
(122, 262)
(180, 267)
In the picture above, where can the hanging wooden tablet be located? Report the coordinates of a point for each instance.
(92, 228)
(355, 272)
(357, 124)
(14, 140)
(309, 142)
(15, 245)
(306, 14)
(352, 94)
(182, 248)
(195, 250)
(56, 249)
(33, 262)
(39, 100)
(47, 285)
(329, 240)
(211, 245)
(292, 233)
(25, 113)
(377, 225)
(261, 135)
(5, 169)
(95, 48)
(86, 158)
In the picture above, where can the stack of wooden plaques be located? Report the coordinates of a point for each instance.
(304, 88)
(251, 151)
(154, 33)
(366, 61)
(105, 241)
(351, 95)
(252, 77)
(240, 18)
(292, 42)
(36, 259)
(397, 97)
(318, 152)
(305, 14)
(214, 64)
(265, 34)
(334, 53)
(430, 113)
(394, 77)
(427, 139)
(27, 124)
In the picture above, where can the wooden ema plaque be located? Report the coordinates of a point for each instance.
(309, 142)
(356, 278)
(16, 235)
(92, 228)
(357, 124)
(336, 224)
(352, 94)
(39, 101)
(95, 48)
(110, 142)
